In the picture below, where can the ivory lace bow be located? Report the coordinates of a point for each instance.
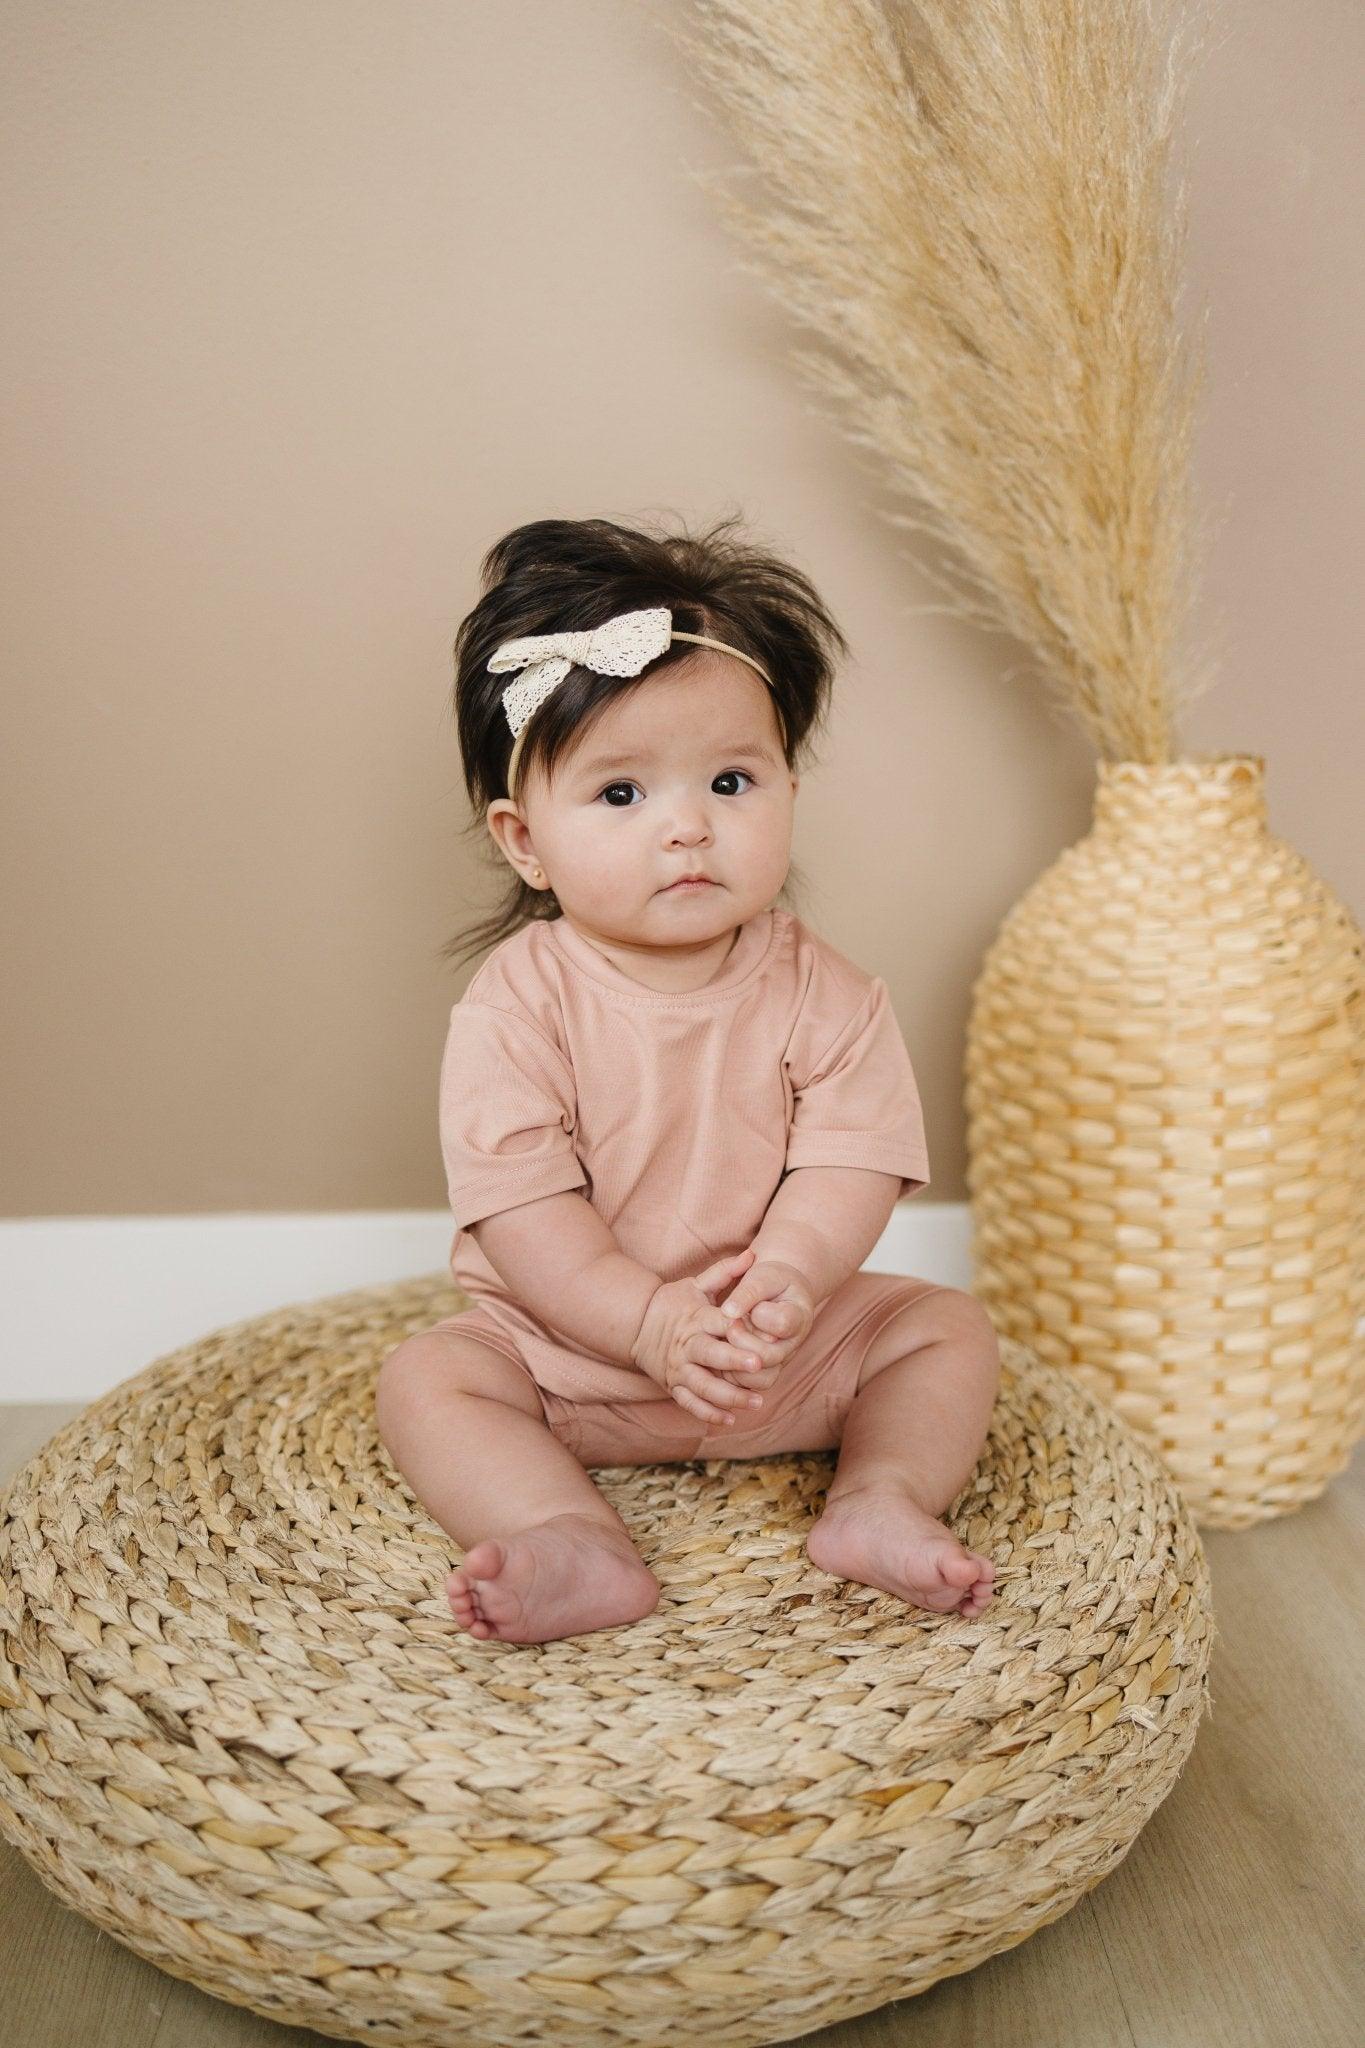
(619, 648)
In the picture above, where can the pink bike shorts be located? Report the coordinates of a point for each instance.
(803, 1409)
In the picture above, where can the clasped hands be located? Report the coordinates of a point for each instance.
(702, 1356)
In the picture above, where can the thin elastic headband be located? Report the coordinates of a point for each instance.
(621, 647)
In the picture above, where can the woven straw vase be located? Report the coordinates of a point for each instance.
(1165, 1092)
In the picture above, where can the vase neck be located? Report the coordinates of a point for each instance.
(1219, 792)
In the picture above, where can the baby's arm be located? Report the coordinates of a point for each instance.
(560, 1259)
(824, 1220)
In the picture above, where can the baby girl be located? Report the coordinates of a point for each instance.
(674, 1120)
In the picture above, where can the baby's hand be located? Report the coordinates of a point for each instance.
(779, 1309)
(685, 1345)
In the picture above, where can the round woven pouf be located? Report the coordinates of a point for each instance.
(241, 1730)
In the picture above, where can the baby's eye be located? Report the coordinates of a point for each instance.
(724, 776)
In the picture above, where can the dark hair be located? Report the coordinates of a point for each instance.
(569, 575)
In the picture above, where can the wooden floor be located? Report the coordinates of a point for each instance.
(1237, 1919)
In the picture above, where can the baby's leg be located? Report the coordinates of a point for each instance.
(549, 1557)
(910, 1443)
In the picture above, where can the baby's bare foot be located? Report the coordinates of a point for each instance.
(880, 1537)
(563, 1577)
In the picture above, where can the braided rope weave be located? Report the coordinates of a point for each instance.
(240, 1730)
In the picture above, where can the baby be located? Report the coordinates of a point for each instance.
(674, 1120)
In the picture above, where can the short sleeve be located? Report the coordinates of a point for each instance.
(859, 1104)
(508, 1111)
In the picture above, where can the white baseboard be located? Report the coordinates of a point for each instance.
(91, 1300)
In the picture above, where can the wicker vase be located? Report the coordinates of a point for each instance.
(1165, 1092)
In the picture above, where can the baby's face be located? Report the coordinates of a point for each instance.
(683, 776)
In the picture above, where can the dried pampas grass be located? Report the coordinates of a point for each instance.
(966, 204)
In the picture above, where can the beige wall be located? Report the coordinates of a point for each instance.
(308, 300)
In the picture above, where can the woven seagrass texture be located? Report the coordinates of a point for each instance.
(1165, 1091)
(240, 1729)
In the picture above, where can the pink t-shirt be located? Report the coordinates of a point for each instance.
(677, 1115)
